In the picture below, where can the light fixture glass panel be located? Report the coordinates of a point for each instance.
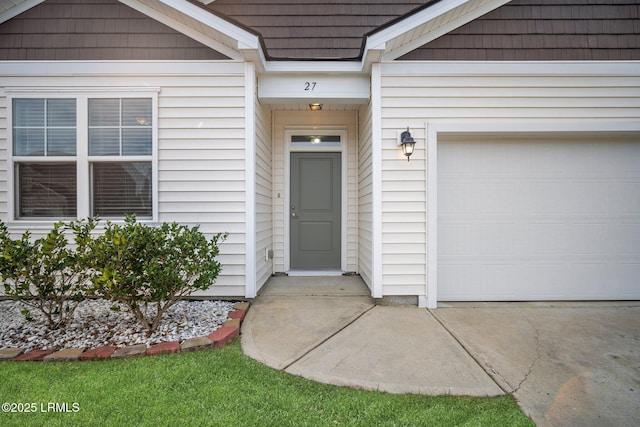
(315, 141)
(408, 148)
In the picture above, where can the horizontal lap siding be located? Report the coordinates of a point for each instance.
(413, 98)
(352, 198)
(201, 164)
(403, 213)
(201, 150)
(365, 199)
(3, 155)
(264, 193)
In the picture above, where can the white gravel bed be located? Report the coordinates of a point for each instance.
(95, 324)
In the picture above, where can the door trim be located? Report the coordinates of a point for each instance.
(289, 131)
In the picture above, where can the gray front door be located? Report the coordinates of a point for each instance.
(315, 211)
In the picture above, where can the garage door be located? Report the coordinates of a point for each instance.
(538, 218)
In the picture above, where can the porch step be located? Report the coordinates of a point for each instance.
(334, 286)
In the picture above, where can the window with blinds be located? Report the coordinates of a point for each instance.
(121, 188)
(46, 190)
(120, 129)
(116, 158)
(44, 150)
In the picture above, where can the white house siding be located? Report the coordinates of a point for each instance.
(201, 145)
(352, 194)
(264, 194)
(284, 119)
(3, 154)
(491, 96)
(365, 199)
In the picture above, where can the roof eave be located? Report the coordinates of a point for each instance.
(427, 24)
(18, 9)
(394, 39)
(239, 42)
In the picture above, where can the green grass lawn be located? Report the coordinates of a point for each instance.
(221, 387)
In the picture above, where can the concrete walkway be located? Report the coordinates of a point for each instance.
(566, 364)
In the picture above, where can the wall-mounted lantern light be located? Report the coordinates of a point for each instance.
(407, 142)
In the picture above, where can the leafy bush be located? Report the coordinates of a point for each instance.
(149, 269)
(46, 274)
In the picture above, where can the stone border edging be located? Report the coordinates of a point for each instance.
(221, 336)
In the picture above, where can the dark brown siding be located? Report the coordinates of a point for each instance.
(311, 29)
(544, 30)
(94, 30)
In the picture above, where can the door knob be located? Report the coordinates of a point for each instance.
(293, 214)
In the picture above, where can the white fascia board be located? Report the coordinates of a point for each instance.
(371, 55)
(534, 126)
(18, 9)
(353, 67)
(245, 39)
(131, 68)
(472, 10)
(411, 22)
(483, 7)
(512, 68)
(184, 29)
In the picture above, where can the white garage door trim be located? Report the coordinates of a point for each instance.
(434, 129)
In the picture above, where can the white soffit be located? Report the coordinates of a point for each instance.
(11, 8)
(199, 24)
(428, 24)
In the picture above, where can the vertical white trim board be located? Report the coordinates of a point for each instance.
(376, 171)
(250, 177)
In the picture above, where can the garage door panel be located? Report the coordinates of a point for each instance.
(533, 281)
(539, 219)
(622, 203)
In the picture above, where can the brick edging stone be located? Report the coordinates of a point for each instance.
(221, 336)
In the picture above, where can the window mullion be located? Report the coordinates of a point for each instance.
(120, 126)
(46, 127)
(82, 156)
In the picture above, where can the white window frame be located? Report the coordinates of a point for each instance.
(82, 158)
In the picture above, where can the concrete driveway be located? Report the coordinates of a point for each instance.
(567, 364)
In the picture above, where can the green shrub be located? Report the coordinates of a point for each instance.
(47, 274)
(149, 269)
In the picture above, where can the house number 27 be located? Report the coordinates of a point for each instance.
(310, 86)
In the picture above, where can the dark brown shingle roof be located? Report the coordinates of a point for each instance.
(311, 29)
(544, 30)
(330, 29)
(94, 30)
